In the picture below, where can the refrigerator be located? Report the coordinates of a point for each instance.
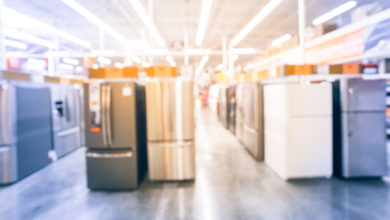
(171, 129)
(253, 126)
(115, 134)
(25, 130)
(232, 108)
(66, 118)
(223, 112)
(240, 95)
(298, 129)
(359, 128)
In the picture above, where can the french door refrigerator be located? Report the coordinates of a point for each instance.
(240, 111)
(359, 128)
(25, 130)
(253, 128)
(170, 119)
(66, 108)
(115, 134)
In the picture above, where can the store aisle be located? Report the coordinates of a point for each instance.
(229, 185)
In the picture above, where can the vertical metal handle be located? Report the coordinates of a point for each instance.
(103, 115)
(108, 116)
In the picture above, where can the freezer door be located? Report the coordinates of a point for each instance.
(170, 110)
(363, 95)
(364, 145)
(7, 115)
(121, 115)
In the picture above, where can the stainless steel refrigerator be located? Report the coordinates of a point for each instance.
(359, 128)
(170, 119)
(223, 111)
(115, 134)
(232, 108)
(25, 130)
(240, 111)
(67, 117)
(253, 125)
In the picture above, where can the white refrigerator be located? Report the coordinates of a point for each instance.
(298, 129)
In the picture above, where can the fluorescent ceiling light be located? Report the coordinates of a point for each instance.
(79, 69)
(137, 60)
(279, 41)
(14, 18)
(244, 51)
(26, 37)
(255, 21)
(171, 61)
(119, 65)
(15, 44)
(219, 67)
(204, 16)
(95, 66)
(235, 58)
(104, 60)
(201, 65)
(106, 28)
(139, 9)
(335, 12)
(71, 61)
(146, 64)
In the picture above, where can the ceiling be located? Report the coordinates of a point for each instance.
(173, 19)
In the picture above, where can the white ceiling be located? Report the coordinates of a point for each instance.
(173, 18)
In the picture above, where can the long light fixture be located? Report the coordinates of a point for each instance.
(15, 44)
(204, 17)
(27, 38)
(171, 61)
(263, 13)
(280, 40)
(139, 9)
(105, 27)
(119, 65)
(14, 18)
(71, 61)
(335, 12)
(201, 65)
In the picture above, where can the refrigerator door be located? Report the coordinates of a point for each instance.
(95, 107)
(239, 111)
(34, 128)
(170, 110)
(120, 115)
(7, 115)
(171, 161)
(8, 164)
(364, 145)
(253, 126)
(363, 95)
(111, 170)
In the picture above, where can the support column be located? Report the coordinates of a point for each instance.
(302, 26)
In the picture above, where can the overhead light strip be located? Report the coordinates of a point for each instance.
(171, 61)
(27, 38)
(105, 27)
(13, 17)
(15, 44)
(147, 21)
(263, 13)
(281, 40)
(204, 17)
(335, 12)
(201, 65)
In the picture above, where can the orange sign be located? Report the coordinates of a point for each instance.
(343, 47)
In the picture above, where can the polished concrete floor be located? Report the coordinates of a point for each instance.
(229, 185)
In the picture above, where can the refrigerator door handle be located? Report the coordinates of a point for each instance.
(103, 106)
(108, 116)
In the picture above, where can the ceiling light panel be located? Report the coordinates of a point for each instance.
(203, 20)
(335, 12)
(261, 15)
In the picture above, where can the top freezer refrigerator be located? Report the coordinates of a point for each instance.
(171, 129)
(115, 134)
(359, 128)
